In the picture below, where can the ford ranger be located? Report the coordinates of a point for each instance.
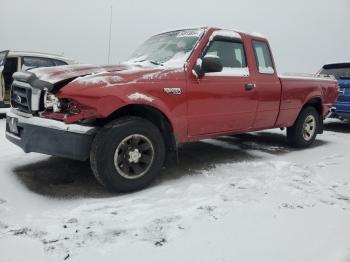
(178, 87)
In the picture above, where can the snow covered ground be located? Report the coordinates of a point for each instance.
(243, 198)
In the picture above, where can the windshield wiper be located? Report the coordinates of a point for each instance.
(151, 61)
(156, 63)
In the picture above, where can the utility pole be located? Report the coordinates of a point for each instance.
(110, 34)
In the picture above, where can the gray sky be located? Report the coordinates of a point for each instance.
(304, 34)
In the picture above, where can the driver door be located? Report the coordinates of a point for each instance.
(3, 56)
(223, 102)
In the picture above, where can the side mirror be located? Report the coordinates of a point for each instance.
(208, 64)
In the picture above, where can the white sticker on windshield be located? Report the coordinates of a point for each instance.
(189, 33)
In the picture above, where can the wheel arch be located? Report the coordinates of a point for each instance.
(152, 114)
(315, 102)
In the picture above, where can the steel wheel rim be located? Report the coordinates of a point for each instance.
(309, 127)
(134, 156)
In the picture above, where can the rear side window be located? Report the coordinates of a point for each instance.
(263, 57)
(34, 62)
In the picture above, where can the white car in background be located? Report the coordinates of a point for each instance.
(13, 61)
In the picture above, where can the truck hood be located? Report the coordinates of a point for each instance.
(104, 75)
(58, 74)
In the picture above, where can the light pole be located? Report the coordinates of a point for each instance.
(110, 34)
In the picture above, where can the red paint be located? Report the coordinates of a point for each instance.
(208, 106)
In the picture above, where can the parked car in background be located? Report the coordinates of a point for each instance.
(13, 61)
(341, 71)
(178, 87)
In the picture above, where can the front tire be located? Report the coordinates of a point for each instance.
(304, 131)
(127, 154)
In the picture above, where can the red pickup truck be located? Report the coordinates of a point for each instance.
(178, 87)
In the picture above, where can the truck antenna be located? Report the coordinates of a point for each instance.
(110, 34)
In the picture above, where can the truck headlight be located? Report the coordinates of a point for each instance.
(58, 105)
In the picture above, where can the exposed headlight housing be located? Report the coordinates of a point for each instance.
(58, 105)
(52, 102)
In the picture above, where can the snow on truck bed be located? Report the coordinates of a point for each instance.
(303, 76)
(242, 198)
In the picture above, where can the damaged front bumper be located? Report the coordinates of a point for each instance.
(47, 136)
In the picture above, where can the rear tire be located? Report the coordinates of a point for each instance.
(127, 154)
(304, 131)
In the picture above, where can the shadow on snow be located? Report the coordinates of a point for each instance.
(338, 126)
(64, 178)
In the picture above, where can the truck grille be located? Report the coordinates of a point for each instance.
(21, 97)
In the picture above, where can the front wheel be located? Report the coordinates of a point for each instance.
(127, 154)
(304, 131)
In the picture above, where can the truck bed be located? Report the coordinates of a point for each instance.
(298, 88)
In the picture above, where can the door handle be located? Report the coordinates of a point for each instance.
(249, 86)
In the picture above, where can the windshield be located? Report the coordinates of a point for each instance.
(338, 73)
(170, 49)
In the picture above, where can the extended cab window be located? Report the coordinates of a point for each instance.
(34, 62)
(263, 57)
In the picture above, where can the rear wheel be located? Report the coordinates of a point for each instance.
(127, 154)
(304, 131)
